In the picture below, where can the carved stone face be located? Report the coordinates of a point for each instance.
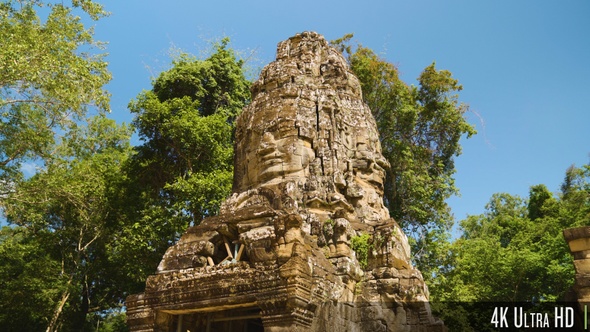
(276, 153)
(307, 126)
(370, 166)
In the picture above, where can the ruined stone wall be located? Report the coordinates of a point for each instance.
(578, 240)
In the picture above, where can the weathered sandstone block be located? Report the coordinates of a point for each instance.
(578, 240)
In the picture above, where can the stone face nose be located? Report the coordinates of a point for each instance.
(267, 144)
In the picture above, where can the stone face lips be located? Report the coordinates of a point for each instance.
(304, 242)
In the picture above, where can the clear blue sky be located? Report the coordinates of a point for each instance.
(524, 66)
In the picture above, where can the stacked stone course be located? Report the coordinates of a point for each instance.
(578, 240)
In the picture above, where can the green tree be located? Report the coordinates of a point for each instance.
(51, 78)
(574, 210)
(48, 77)
(420, 128)
(498, 258)
(184, 168)
(515, 251)
(30, 280)
(541, 202)
(505, 255)
(111, 321)
(186, 122)
(66, 209)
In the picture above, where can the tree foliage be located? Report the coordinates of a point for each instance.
(186, 122)
(184, 168)
(51, 78)
(48, 77)
(515, 251)
(66, 209)
(30, 280)
(420, 128)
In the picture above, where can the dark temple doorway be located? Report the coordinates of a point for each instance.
(238, 320)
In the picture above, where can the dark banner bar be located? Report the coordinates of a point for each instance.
(510, 316)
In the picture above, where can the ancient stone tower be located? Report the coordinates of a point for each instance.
(304, 243)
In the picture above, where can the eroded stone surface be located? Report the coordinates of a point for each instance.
(578, 240)
(308, 179)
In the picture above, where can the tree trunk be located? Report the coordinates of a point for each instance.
(80, 317)
(64, 298)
